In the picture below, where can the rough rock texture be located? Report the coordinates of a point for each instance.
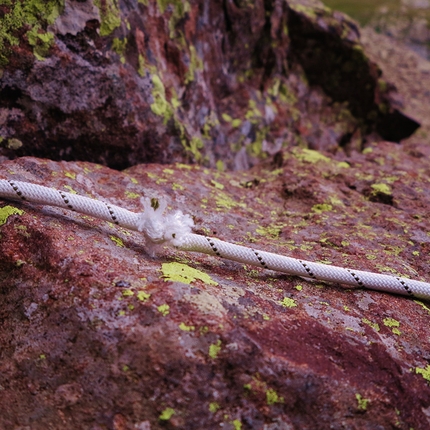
(98, 333)
(98, 330)
(407, 71)
(229, 82)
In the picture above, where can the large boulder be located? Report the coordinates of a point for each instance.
(100, 331)
(221, 83)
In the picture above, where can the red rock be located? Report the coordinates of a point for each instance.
(95, 335)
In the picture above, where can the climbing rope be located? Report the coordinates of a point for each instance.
(176, 229)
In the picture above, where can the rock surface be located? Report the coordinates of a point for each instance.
(221, 83)
(98, 333)
(408, 72)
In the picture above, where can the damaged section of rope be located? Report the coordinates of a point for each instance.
(160, 228)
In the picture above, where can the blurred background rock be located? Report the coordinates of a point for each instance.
(403, 20)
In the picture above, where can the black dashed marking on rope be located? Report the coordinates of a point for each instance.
(112, 214)
(405, 286)
(260, 258)
(17, 191)
(357, 279)
(214, 248)
(66, 200)
(307, 268)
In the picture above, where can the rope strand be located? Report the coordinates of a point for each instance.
(175, 229)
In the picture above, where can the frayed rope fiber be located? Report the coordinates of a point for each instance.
(175, 229)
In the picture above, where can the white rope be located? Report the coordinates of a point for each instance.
(175, 229)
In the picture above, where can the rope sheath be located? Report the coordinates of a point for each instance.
(175, 229)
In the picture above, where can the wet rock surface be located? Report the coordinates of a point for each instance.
(98, 332)
(121, 83)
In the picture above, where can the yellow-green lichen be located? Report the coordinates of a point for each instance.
(132, 195)
(34, 16)
(166, 414)
(117, 241)
(40, 41)
(322, 207)
(194, 145)
(272, 397)
(160, 105)
(164, 309)
(270, 231)
(119, 46)
(141, 65)
(128, 293)
(424, 372)
(310, 156)
(185, 327)
(214, 349)
(178, 272)
(71, 190)
(12, 143)
(343, 164)
(423, 305)
(195, 64)
(381, 189)
(217, 184)
(393, 324)
(177, 9)
(7, 211)
(143, 296)
(213, 407)
(288, 303)
(220, 166)
(255, 149)
(110, 16)
(176, 187)
(237, 425)
(287, 96)
(361, 402)
(253, 114)
(224, 201)
(174, 99)
(236, 123)
(375, 326)
(71, 175)
(305, 10)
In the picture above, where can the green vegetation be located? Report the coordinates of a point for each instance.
(7, 211)
(178, 272)
(109, 14)
(34, 16)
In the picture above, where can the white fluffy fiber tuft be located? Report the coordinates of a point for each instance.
(159, 228)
